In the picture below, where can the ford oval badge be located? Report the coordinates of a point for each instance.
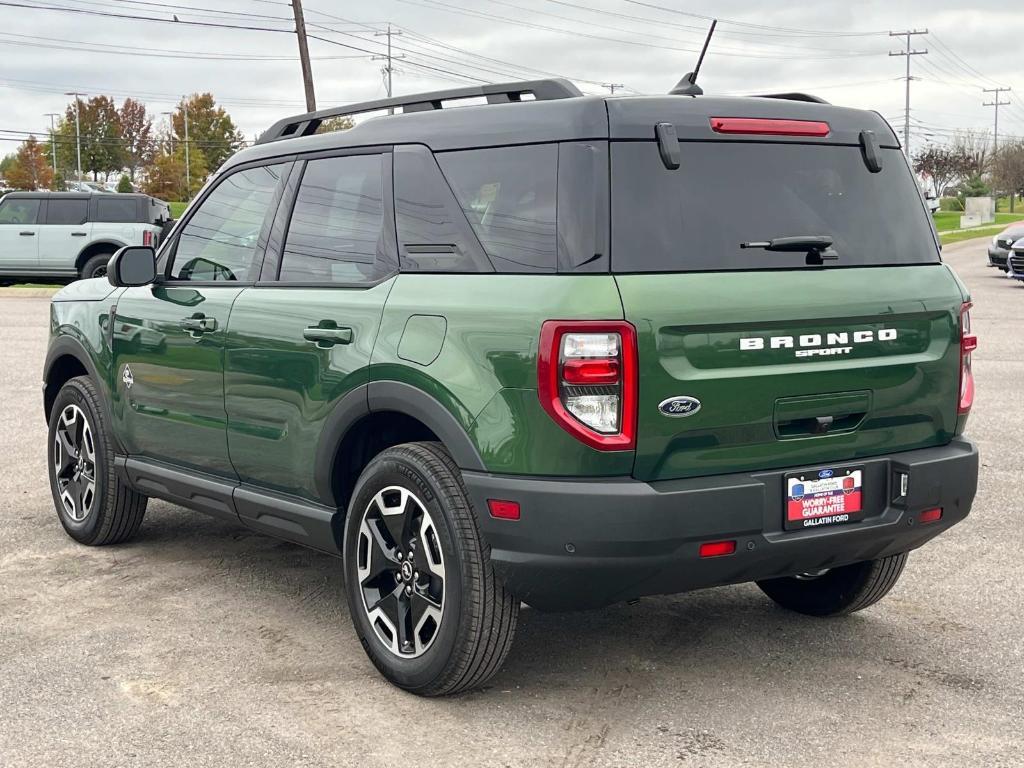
(679, 406)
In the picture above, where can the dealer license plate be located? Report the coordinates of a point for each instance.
(829, 496)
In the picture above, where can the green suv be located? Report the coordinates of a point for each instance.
(542, 348)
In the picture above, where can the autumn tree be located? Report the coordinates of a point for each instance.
(136, 133)
(210, 129)
(31, 168)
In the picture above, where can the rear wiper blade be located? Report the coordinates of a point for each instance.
(817, 247)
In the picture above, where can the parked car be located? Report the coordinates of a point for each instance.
(1001, 244)
(68, 235)
(526, 352)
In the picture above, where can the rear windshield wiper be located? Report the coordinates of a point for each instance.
(817, 247)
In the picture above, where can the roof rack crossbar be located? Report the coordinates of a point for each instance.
(791, 97)
(503, 93)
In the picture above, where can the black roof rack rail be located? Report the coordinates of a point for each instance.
(791, 97)
(502, 93)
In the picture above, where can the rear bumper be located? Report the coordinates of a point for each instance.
(584, 543)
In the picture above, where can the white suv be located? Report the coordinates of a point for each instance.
(71, 235)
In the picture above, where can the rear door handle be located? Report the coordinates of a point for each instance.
(198, 324)
(79, 234)
(327, 336)
(27, 234)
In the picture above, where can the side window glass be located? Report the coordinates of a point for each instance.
(219, 241)
(336, 230)
(20, 210)
(67, 210)
(114, 209)
(508, 195)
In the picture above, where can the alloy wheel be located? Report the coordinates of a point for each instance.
(400, 568)
(74, 463)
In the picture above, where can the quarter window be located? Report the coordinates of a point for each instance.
(19, 210)
(336, 230)
(220, 240)
(508, 195)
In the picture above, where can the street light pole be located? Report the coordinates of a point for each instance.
(78, 132)
(53, 140)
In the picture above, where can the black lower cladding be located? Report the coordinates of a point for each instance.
(583, 543)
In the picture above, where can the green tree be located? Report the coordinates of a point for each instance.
(31, 168)
(100, 134)
(5, 163)
(124, 184)
(210, 129)
(136, 131)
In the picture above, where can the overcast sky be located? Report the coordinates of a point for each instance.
(836, 49)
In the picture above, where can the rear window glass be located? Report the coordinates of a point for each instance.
(66, 210)
(19, 210)
(508, 195)
(728, 193)
(116, 209)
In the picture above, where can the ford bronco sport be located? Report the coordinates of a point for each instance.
(533, 351)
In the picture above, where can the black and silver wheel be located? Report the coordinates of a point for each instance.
(74, 462)
(93, 504)
(400, 568)
(96, 266)
(838, 591)
(423, 596)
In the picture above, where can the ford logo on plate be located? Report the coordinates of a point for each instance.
(679, 406)
(825, 473)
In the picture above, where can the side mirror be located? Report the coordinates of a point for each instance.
(132, 266)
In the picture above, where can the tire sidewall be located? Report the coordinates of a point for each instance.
(88, 529)
(411, 674)
(94, 263)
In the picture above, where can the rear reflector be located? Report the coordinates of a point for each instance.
(930, 515)
(764, 126)
(503, 510)
(717, 548)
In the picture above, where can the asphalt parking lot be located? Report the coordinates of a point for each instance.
(201, 644)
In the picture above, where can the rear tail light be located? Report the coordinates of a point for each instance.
(968, 343)
(147, 238)
(769, 126)
(587, 380)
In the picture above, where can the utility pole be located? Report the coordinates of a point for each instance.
(997, 104)
(78, 132)
(388, 58)
(53, 140)
(307, 70)
(188, 169)
(908, 53)
(612, 87)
